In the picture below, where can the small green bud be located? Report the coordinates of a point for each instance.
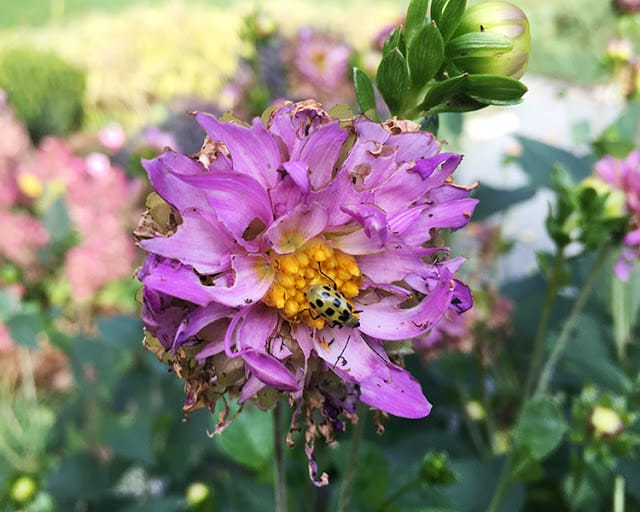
(23, 489)
(435, 470)
(492, 38)
(614, 205)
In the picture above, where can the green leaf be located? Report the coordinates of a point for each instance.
(495, 89)
(249, 439)
(416, 14)
(494, 200)
(120, 331)
(130, 436)
(537, 159)
(393, 40)
(79, 476)
(58, 223)
(443, 91)
(625, 309)
(364, 92)
(447, 14)
(393, 80)
(540, 428)
(371, 481)
(425, 55)
(621, 136)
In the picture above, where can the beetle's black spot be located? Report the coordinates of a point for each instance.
(349, 307)
(319, 303)
(326, 287)
(337, 302)
(326, 295)
(329, 312)
(344, 316)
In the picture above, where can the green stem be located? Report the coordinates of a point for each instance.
(578, 305)
(280, 475)
(618, 494)
(402, 490)
(543, 323)
(502, 487)
(350, 472)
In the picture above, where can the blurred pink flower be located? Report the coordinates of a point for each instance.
(22, 236)
(112, 137)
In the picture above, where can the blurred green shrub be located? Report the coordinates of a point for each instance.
(46, 91)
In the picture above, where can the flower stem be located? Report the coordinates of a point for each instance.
(402, 490)
(543, 323)
(618, 494)
(559, 346)
(347, 482)
(280, 475)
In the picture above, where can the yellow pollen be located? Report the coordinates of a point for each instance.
(30, 185)
(295, 272)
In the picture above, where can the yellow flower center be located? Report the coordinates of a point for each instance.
(295, 272)
(30, 185)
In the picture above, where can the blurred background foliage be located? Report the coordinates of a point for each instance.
(89, 420)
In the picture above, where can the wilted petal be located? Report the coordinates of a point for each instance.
(371, 218)
(198, 320)
(413, 146)
(405, 260)
(253, 150)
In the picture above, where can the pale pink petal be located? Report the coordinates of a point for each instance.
(292, 230)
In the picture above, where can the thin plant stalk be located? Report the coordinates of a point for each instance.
(350, 471)
(280, 475)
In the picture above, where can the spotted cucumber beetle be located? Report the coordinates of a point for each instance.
(327, 302)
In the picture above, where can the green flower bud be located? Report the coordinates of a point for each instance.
(199, 497)
(492, 38)
(435, 470)
(606, 422)
(614, 205)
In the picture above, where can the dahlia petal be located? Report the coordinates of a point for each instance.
(199, 242)
(320, 150)
(302, 334)
(179, 281)
(396, 393)
(293, 229)
(197, 320)
(386, 320)
(357, 243)
(349, 354)
(250, 388)
(299, 172)
(270, 371)
(632, 237)
(448, 193)
(210, 349)
(253, 277)
(462, 299)
(253, 149)
(435, 169)
(369, 164)
(368, 130)
(405, 260)
(166, 173)
(371, 218)
(258, 325)
(413, 226)
(414, 146)
(339, 191)
(238, 201)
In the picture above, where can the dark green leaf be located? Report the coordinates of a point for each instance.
(494, 200)
(540, 428)
(425, 55)
(448, 15)
(443, 91)
(249, 439)
(393, 80)
(416, 14)
(495, 89)
(9, 304)
(160, 504)
(537, 159)
(364, 92)
(130, 437)
(372, 473)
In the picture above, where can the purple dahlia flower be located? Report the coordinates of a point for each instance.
(243, 230)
